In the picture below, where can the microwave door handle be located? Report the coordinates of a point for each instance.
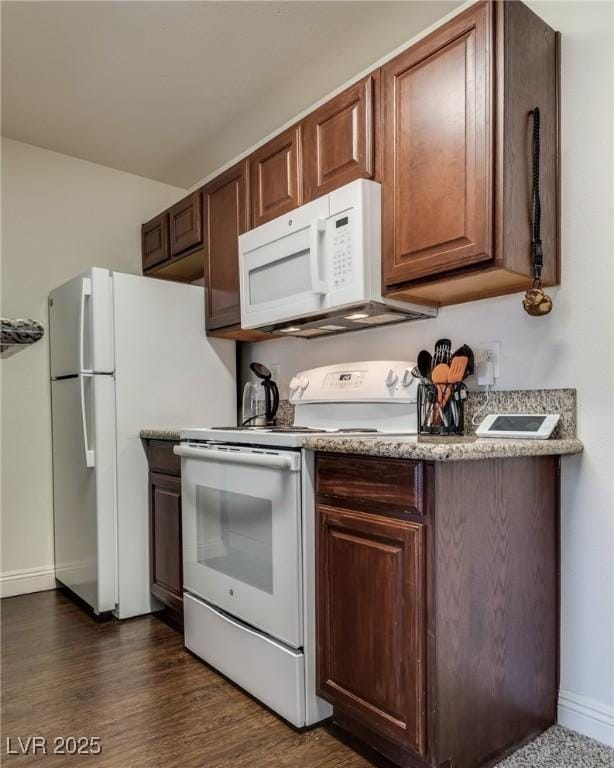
(318, 285)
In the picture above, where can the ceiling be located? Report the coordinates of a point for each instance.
(173, 90)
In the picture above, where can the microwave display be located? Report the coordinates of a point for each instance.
(341, 222)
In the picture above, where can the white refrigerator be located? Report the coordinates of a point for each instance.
(126, 353)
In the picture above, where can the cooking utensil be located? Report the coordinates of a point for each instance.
(456, 374)
(439, 376)
(425, 363)
(466, 351)
(442, 352)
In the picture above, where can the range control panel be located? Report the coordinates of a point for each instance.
(369, 381)
(344, 380)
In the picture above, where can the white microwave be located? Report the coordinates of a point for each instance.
(317, 269)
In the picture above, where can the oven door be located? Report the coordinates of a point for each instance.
(241, 510)
(283, 269)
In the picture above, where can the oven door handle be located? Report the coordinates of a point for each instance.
(270, 460)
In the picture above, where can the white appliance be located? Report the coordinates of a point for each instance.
(317, 270)
(126, 353)
(249, 530)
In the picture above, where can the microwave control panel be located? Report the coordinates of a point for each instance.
(342, 249)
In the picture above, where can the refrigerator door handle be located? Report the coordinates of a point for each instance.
(86, 290)
(90, 454)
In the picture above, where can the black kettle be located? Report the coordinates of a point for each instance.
(271, 391)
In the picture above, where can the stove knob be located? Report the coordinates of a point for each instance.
(294, 383)
(303, 382)
(391, 378)
(407, 378)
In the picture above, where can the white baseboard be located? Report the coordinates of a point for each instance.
(588, 716)
(27, 580)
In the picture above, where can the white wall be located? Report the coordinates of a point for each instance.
(572, 347)
(60, 216)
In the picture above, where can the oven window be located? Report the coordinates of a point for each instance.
(235, 535)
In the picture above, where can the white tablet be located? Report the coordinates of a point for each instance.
(532, 426)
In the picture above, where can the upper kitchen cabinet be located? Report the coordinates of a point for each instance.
(154, 241)
(275, 177)
(338, 139)
(225, 209)
(457, 172)
(185, 224)
(225, 217)
(172, 242)
(436, 202)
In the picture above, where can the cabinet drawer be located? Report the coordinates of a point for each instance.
(162, 459)
(394, 483)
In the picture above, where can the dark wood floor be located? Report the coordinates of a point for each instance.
(132, 684)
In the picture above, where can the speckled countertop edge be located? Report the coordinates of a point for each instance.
(446, 449)
(159, 434)
(465, 448)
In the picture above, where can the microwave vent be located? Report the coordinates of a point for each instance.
(352, 318)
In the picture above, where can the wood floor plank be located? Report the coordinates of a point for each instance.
(132, 684)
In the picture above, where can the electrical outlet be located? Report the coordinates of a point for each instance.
(275, 369)
(489, 351)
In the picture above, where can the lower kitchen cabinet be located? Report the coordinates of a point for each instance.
(165, 542)
(437, 604)
(371, 649)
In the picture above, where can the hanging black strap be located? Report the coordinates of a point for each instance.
(536, 210)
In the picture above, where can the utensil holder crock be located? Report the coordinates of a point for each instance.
(441, 409)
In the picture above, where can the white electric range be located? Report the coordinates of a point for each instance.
(249, 530)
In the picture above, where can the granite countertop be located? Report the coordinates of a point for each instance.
(160, 434)
(436, 448)
(427, 448)
(423, 448)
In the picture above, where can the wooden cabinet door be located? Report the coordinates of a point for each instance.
(338, 140)
(166, 560)
(225, 209)
(185, 223)
(370, 621)
(154, 241)
(438, 125)
(275, 177)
